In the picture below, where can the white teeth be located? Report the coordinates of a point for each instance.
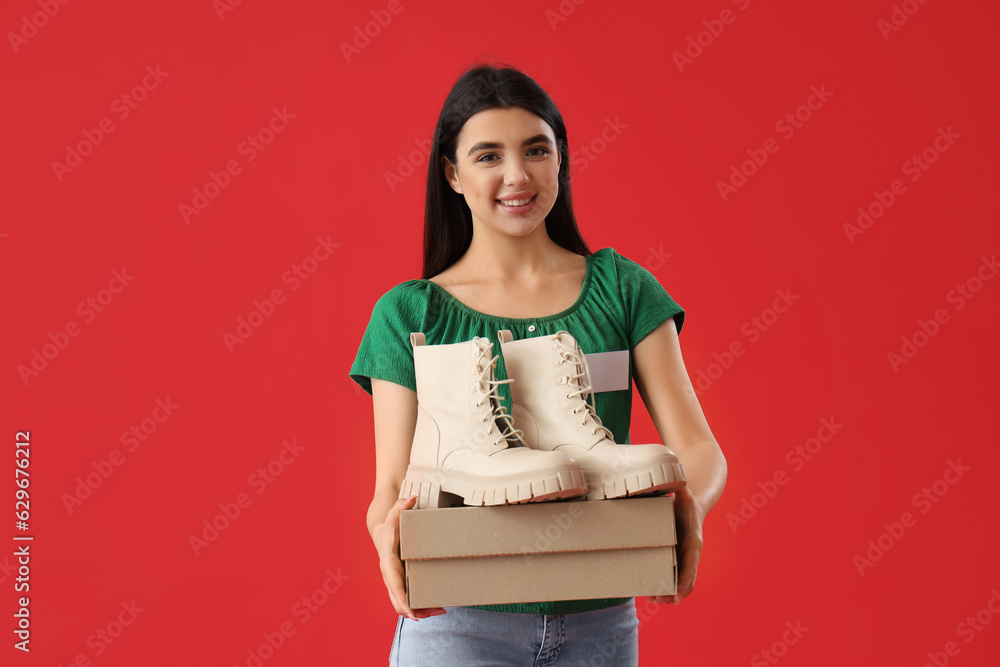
(515, 202)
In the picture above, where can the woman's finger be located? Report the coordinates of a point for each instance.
(392, 566)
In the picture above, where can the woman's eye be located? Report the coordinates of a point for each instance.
(541, 152)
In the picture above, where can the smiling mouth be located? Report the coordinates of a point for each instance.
(516, 202)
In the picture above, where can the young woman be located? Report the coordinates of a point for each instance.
(491, 265)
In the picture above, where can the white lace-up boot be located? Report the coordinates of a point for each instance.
(550, 408)
(464, 443)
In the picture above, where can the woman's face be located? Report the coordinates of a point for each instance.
(503, 156)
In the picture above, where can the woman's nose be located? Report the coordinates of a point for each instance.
(515, 174)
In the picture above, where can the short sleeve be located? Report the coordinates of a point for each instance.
(647, 304)
(385, 352)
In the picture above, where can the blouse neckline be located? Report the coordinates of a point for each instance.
(584, 292)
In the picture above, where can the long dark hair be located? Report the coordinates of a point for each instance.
(447, 218)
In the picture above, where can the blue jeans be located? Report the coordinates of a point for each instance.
(476, 638)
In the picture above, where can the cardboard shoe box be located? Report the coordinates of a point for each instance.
(539, 552)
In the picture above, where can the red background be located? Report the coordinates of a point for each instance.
(650, 192)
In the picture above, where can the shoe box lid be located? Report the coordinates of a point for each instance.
(547, 527)
(566, 550)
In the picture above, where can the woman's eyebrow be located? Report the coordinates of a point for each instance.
(537, 139)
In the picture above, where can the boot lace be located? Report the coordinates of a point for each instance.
(574, 355)
(487, 386)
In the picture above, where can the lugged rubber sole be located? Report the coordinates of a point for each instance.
(659, 478)
(435, 487)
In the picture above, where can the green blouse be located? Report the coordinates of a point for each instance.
(620, 304)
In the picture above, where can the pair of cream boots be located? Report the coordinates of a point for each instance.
(465, 445)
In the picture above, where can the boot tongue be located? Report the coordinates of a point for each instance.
(506, 427)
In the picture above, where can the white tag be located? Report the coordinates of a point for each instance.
(608, 370)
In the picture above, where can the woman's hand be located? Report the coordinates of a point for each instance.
(395, 408)
(689, 517)
(661, 377)
(386, 538)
